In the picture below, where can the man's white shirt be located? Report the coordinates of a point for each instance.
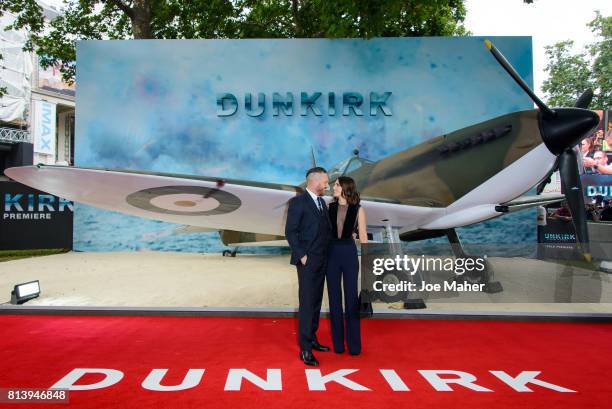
(315, 198)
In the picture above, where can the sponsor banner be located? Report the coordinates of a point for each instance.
(31, 219)
(557, 237)
(44, 127)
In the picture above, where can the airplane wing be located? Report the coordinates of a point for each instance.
(192, 229)
(271, 243)
(525, 202)
(208, 202)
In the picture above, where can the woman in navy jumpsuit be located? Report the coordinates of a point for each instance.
(347, 217)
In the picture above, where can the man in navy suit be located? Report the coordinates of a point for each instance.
(308, 231)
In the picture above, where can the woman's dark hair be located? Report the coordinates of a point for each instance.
(349, 190)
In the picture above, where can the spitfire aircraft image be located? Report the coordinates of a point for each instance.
(453, 180)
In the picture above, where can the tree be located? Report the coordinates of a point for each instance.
(186, 19)
(352, 18)
(601, 52)
(571, 74)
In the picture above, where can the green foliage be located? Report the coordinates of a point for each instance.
(188, 19)
(601, 52)
(571, 74)
(351, 18)
(8, 255)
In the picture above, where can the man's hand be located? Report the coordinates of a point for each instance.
(589, 162)
(303, 260)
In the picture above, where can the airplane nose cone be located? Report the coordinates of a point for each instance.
(567, 128)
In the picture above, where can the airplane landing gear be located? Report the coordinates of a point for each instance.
(229, 253)
(474, 277)
(391, 236)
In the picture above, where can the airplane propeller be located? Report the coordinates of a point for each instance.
(561, 130)
(584, 100)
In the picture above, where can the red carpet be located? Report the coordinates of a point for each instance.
(38, 351)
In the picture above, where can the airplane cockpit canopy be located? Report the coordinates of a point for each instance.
(348, 165)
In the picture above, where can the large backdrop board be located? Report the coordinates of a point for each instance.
(254, 109)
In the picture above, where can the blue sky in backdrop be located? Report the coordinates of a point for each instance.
(152, 104)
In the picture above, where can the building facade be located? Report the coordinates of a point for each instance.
(38, 107)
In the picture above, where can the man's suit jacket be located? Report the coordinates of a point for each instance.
(302, 225)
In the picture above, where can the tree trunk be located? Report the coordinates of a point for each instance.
(141, 19)
(296, 18)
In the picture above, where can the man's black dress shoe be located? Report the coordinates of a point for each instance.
(318, 347)
(308, 358)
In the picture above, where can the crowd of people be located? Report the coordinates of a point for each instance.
(598, 211)
(596, 153)
(596, 150)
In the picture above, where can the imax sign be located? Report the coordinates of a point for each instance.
(44, 128)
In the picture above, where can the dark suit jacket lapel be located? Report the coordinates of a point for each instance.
(311, 203)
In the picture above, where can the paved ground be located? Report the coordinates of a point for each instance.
(161, 279)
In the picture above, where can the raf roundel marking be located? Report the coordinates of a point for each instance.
(225, 201)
